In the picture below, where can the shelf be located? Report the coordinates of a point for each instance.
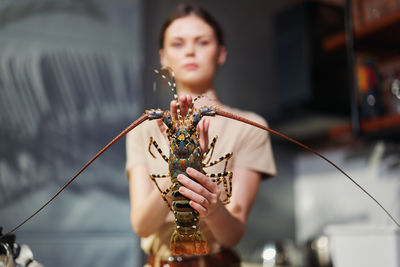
(309, 127)
(388, 123)
(382, 30)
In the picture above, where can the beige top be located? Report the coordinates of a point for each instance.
(250, 146)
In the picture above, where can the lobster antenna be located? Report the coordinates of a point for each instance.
(163, 76)
(197, 98)
(118, 137)
(172, 86)
(244, 120)
(155, 81)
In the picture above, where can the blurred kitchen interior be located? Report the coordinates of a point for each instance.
(75, 73)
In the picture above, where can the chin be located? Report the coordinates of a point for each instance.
(195, 79)
(195, 83)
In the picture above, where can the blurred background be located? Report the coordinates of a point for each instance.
(74, 73)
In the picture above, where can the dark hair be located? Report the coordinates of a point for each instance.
(184, 10)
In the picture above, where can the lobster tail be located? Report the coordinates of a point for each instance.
(187, 237)
(189, 244)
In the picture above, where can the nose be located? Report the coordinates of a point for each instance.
(190, 50)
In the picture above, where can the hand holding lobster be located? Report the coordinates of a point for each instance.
(204, 195)
(185, 102)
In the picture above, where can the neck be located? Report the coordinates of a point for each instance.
(184, 89)
(205, 90)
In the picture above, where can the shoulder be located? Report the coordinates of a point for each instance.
(251, 146)
(250, 115)
(147, 128)
(238, 132)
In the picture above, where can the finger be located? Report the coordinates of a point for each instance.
(203, 181)
(194, 197)
(206, 124)
(162, 127)
(173, 109)
(183, 105)
(203, 212)
(189, 101)
(194, 186)
(203, 131)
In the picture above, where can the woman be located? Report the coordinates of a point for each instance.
(192, 45)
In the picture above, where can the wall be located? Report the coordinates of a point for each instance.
(248, 78)
(69, 82)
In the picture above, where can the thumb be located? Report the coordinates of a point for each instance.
(203, 132)
(162, 128)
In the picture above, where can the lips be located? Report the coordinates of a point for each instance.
(190, 66)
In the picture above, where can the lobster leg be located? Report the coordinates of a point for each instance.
(227, 157)
(163, 193)
(222, 177)
(160, 175)
(153, 142)
(210, 149)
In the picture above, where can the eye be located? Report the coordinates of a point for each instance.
(177, 44)
(203, 42)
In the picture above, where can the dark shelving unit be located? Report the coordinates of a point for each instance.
(381, 38)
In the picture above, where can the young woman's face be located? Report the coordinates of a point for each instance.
(191, 49)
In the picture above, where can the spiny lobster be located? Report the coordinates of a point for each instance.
(185, 152)
(187, 227)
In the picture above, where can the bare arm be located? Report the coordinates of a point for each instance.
(148, 210)
(227, 223)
